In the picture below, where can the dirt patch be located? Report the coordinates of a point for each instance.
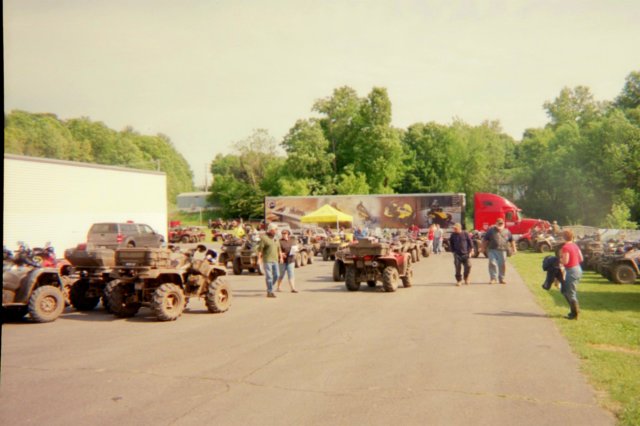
(612, 348)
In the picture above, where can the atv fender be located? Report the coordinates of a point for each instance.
(36, 278)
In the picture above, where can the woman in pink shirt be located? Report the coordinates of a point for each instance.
(571, 258)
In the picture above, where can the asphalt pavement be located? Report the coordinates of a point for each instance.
(432, 354)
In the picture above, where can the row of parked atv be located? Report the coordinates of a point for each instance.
(124, 280)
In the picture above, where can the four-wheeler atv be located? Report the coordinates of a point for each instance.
(147, 277)
(330, 247)
(29, 288)
(90, 272)
(621, 268)
(373, 262)
(247, 257)
(228, 250)
(304, 256)
(185, 235)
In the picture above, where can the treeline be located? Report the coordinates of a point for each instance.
(582, 167)
(80, 139)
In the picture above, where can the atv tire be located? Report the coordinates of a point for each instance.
(78, 296)
(623, 274)
(118, 304)
(338, 271)
(523, 245)
(407, 280)
(351, 279)
(168, 302)
(46, 304)
(390, 278)
(218, 297)
(237, 266)
(304, 258)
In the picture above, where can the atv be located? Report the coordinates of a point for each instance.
(90, 273)
(29, 288)
(372, 262)
(247, 257)
(148, 277)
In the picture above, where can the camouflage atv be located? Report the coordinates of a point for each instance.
(148, 277)
(373, 262)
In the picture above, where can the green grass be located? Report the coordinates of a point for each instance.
(606, 337)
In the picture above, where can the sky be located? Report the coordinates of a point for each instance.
(208, 73)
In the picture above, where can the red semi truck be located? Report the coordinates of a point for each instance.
(403, 210)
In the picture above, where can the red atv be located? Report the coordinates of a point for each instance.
(372, 262)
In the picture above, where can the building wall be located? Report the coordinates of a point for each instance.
(57, 201)
(190, 201)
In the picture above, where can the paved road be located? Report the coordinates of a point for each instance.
(433, 354)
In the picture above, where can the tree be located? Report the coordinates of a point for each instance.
(575, 105)
(629, 98)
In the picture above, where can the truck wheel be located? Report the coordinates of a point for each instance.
(338, 271)
(623, 274)
(325, 255)
(237, 266)
(371, 283)
(407, 280)
(390, 279)
(168, 302)
(523, 245)
(351, 279)
(79, 298)
(46, 304)
(303, 258)
(118, 304)
(218, 296)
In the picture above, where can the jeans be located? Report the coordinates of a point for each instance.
(460, 260)
(286, 268)
(497, 264)
(270, 274)
(437, 243)
(572, 276)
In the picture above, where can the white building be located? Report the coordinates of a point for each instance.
(57, 201)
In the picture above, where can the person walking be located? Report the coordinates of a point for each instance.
(571, 258)
(498, 241)
(437, 239)
(461, 246)
(288, 250)
(268, 255)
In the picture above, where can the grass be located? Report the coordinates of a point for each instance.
(606, 338)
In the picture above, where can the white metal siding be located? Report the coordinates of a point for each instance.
(58, 201)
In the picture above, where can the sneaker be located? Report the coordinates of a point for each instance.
(271, 295)
(493, 282)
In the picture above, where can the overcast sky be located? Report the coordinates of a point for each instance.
(207, 73)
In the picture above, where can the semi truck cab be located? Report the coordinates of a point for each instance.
(489, 207)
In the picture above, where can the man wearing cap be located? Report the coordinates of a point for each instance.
(461, 246)
(498, 240)
(269, 254)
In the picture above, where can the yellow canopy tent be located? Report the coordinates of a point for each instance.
(326, 214)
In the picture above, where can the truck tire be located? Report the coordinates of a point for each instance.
(168, 302)
(407, 280)
(338, 271)
(623, 274)
(390, 278)
(218, 297)
(237, 266)
(78, 296)
(523, 245)
(118, 304)
(351, 279)
(46, 304)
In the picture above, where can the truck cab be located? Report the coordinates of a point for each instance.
(489, 207)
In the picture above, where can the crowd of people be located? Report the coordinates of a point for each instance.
(277, 249)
